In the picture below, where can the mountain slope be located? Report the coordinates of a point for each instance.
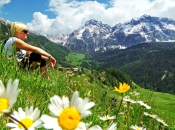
(118, 57)
(58, 51)
(156, 70)
(144, 29)
(91, 36)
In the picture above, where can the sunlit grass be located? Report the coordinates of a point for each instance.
(36, 91)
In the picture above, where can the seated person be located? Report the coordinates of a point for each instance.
(36, 55)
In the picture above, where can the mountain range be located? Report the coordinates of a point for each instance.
(95, 35)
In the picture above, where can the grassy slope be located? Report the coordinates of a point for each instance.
(37, 91)
(162, 103)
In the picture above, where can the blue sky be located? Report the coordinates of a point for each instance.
(65, 16)
(22, 10)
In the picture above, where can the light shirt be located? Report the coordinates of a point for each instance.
(9, 49)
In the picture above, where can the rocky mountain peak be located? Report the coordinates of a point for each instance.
(93, 22)
(95, 35)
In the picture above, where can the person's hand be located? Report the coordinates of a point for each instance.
(52, 62)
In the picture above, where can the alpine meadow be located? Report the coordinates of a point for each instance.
(85, 92)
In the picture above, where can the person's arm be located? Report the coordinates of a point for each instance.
(52, 60)
(28, 52)
(22, 45)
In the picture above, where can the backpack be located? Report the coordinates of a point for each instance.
(2, 43)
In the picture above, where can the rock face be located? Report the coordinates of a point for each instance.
(95, 35)
(60, 38)
(90, 37)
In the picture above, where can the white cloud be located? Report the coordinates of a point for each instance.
(41, 23)
(72, 15)
(3, 2)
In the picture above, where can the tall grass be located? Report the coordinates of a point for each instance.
(128, 111)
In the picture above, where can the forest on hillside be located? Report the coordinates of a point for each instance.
(154, 71)
(150, 65)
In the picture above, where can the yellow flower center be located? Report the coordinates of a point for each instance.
(27, 122)
(106, 118)
(150, 115)
(69, 119)
(4, 104)
(138, 129)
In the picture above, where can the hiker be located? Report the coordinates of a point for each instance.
(36, 56)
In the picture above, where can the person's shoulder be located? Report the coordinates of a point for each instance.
(12, 39)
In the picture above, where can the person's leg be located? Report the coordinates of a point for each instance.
(44, 72)
(33, 65)
(35, 60)
(43, 69)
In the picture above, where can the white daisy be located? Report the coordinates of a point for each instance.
(86, 126)
(162, 121)
(137, 128)
(65, 114)
(126, 99)
(134, 93)
(8, 96)
(150, 115)
(113, 126)
(29, 118)
(107, 117)
(144, 104)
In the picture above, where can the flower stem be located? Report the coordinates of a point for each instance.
(11, 117)
(127, 116)
(147, 125)
(141, 113)
(119, 106)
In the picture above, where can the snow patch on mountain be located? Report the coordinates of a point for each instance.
(95, 35)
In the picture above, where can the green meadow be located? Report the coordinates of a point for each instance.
(36, 91)
(75, 59)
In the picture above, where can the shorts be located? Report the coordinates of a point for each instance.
(33, 57)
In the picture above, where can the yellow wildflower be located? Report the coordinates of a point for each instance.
(9, 58)
(17, 52)
(89, 93)
(70, 75)
(122, 88)
(38, 63)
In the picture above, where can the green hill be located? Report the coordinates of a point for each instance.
(58, 51)
(155, 71)
(118, 57)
